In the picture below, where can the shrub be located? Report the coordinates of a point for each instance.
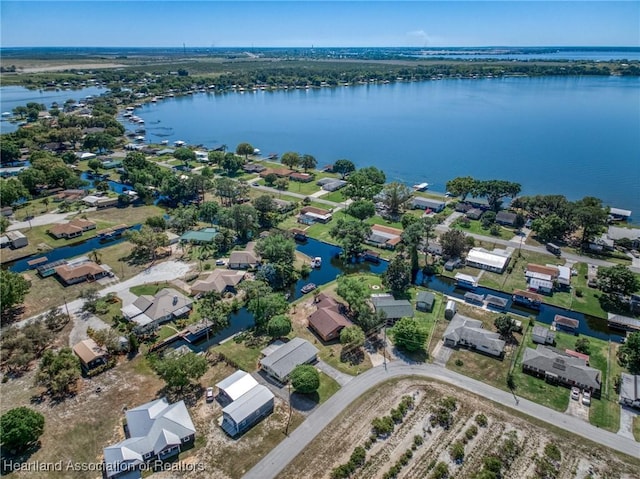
(417, 440)
(305, 379)
(457, 451)
(20, 428)
(459, 363)
(552, 452)
(383, 426)
(481, 419)
(358, 456)
(207, 266)
(440, 471)
(471, 432)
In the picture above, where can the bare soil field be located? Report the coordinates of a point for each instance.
(524, 448)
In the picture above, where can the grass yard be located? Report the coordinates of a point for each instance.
(328, 387)
(335, 196)
(636, 428)
(475, 227)
(245, 353)
(149, 289)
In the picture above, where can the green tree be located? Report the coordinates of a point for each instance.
(350, 235)
(215, 157)
(20, 428)
(9, 151)
(506, 326)
(12, 190)
(94, 164)
(279, 326)
(550, 228)
(14, 289)
(277, 248)
(266, 208)
(617, 280)
(412, 237)
(395, 197)
(591, 216)
(266, 307)
(343, 167)
(179, 371)
(231, 163)
(100, 141)
(308, 162)
(245, 149)
(290, 159)
(243, 219)
(215, 311)
(397, 277)
(305, 379)
(453, 243)
(185, 155)
(629, 353)
(495, 191)
(59, 371)
(352, 337)
(582, 345)
(4, 224)
(270, 179)
(354, 290)
(208, 211)
(146, 241)
(365, 183)
(281, 184)
(361, 209)
(409, 335)
(461, 186)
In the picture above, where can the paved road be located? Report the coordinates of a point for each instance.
(272, 464)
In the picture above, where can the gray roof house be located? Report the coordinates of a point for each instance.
(464, 331)
(247, 410)
(506, 218)
(557, 366)
(542, 335)
(393, 309)
(418, 202)
(281, 362)
(150, 311)
(425, 300)
(157, 430)
(234, 386)
(630, 390)
(245, 259)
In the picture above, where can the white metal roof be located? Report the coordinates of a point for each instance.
(237, 384)
(493, 259)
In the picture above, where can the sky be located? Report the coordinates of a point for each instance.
(155, 23)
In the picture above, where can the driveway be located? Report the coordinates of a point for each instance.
(626, 421)
(340, 377)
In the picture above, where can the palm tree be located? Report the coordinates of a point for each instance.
(96, 256)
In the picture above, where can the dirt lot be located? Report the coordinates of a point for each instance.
(334, 446)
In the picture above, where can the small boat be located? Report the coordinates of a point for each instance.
(164, 142)
(307, 288)
(421, 186)
(316, 262)
(256, 151)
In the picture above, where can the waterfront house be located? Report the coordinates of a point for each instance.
(496, 302)
(74, 228)
(90, 354)
(279, 172)
(452, 264)
(301, 177)
(14, 239)
(563, 323)
(527, 298)
(542, 335)
(558, 367)
(425, 301)
(155, 431)
(495, 261)
(616, 233)
(311, 214)
(473, 298)
(506, 218)
(80, 271)
(333, 185)
(280, 363)
(328, 321)
(421, 203)
(100, 202)
(384, 237)
(470, 333)
(630, 390)
(148, 312)
(392, 309)
(253, 168)
(474, 213)
(247, 410)
(244, 259)
(220, 280)
(466, 281)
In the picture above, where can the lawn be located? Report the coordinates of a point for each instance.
(636, 428)
(475, 227)
(244, 353)
(149, 289)
(335, 196)
(328, 387)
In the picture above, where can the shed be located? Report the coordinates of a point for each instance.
(424, 301)
(234, 386)
(542, 335)
(450, 309)
(247, 410)
(91, 355)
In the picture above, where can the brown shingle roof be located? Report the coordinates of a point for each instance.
(313, 209)
(70, 272)
(548, 270)
(88, 350)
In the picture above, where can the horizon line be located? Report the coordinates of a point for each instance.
(312, 47)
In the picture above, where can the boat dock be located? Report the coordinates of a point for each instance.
(623, 323)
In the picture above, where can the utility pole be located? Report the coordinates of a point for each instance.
(384, 349)
(286, 432)
(66, 307)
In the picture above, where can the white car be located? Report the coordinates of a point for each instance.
(209, 394)
(586, 398)
(575, 393)
(220, 262)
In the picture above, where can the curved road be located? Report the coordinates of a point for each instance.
(272, 464)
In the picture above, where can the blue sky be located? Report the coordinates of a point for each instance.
(319, 23)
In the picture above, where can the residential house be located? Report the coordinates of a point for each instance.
(452, 264)
(311, 214)
(220, 280)
(616, 233)
(542, 335)
(384, 237)
(74, 228)
(202, 236)
(495, 261)
(155, 431)
(506, 218)
(78, 272)
(254, 168)
(425, 301)
(623, 323)
(527, 298)
(421, 203)
(234, 386)
(470, 333)
(247, 410)
(558, 367)
(281, 362)
(301, 177)
(283, 206)
(333, 185)
(473, 298)
(100, 202)
(392, 309)
(147, 312)
(244, 259)
(466, 281)
(618, 214)
(90, 354)
(14, 239)
(462, 207)
(279, 172)
(474, 213)
(328, 321)
(630, 390)
(6, 211)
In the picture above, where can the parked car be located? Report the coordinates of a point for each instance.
(586, 398)
(575, 393)
(220, 262)
(209, 394)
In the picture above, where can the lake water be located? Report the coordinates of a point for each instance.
(14, 96)
(575, 136)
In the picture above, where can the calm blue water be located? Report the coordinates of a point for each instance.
(113, 185)
(575, 136)
(599, 56)
(14, 96)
